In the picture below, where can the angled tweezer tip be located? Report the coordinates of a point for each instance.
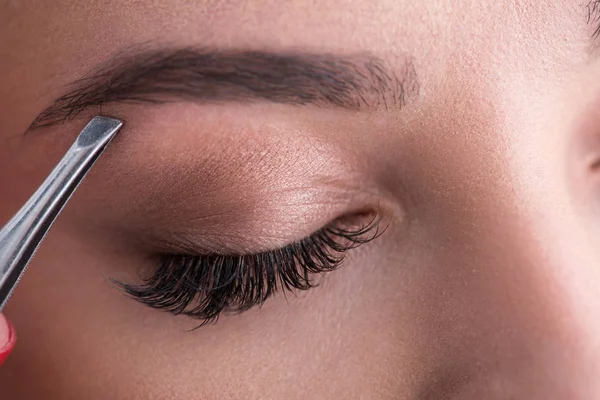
(21, 236)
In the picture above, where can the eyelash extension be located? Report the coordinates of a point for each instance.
(203, 287)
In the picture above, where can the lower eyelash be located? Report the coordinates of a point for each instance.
(203, 287)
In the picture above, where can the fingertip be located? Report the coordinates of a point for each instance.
(8, 338)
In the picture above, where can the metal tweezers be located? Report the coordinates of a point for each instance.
(21, 236)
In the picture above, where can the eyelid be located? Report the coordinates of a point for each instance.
(231, 240)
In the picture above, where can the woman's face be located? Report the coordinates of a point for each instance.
(469, 130)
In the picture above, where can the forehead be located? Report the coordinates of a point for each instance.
(452, 42)
(424, 28)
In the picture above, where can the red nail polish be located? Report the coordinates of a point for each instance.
(10, 344)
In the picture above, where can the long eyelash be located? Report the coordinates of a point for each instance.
(203, 287)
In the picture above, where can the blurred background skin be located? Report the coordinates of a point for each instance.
(485, 285)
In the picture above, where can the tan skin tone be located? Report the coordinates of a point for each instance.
(485, 284)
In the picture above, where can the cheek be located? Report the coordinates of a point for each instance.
(62, 309)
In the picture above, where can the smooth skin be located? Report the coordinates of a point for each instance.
(486, 284)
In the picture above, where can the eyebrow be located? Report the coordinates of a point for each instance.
(593, 19)
(199, 75)
(593, 16)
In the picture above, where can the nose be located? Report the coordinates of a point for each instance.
(513, 304)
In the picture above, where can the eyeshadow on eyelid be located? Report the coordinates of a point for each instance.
(207, 176)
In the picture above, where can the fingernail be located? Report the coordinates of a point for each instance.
(8, 338)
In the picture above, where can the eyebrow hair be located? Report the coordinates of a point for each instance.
(593, 16)
(218, 76)
(593, 19)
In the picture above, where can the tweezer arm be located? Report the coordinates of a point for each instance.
(21, 236)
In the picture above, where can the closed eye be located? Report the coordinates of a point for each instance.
(205, 286)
